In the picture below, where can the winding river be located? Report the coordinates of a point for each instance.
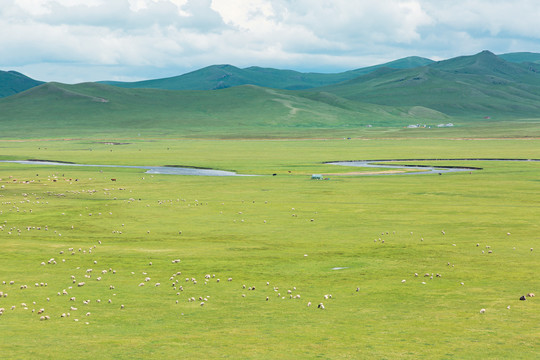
(386, 164)
(165, 170)
(422, 169)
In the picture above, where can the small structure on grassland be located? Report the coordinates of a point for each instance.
(316, 177)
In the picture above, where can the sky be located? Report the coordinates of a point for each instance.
(73, 41)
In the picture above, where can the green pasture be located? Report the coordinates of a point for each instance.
(360, 239)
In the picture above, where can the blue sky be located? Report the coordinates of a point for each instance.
(73, 41)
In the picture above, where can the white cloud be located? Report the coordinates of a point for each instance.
(148, 37)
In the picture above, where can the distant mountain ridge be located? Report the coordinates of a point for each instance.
(223, 76)
(479, 84)
(13, 82)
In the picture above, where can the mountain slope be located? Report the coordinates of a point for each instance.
(482, 84)
(521, 57)
(59, 110)
(12, 82)
(224, 76)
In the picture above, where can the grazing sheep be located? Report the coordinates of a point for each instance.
(530, 295)
(523, 298)
(321, 306)
(121, 306)
(482, 311)
(81, 284)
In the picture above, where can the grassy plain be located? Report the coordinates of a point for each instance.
(379, 229)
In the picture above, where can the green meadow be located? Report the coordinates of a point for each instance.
(352, 243)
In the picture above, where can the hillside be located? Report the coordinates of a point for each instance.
(521, 57)
(12, 82)
(478, 85)
(224, 76)
(59, 110)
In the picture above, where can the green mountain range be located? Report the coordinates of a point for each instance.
(482, 84)
(465, 90)
(223, 76)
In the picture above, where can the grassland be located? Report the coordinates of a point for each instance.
(380, 229)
